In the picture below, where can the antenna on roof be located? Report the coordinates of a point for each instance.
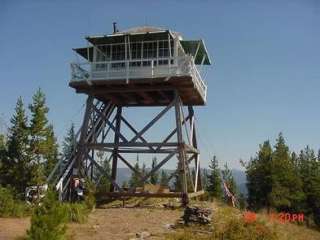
(115, 30)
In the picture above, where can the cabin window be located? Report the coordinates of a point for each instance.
(163, 49)
(150, 50)
(136, 50)
(100, 57)
(118, 52)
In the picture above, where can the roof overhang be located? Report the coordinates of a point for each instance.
(134, 36)
(198, 50)
(84, 52)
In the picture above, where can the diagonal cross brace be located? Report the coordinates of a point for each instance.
(153, 121)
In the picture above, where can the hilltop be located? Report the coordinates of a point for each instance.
(113, 222)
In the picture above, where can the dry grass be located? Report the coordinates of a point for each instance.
(228, 224)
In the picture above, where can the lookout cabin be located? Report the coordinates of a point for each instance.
(142, 66)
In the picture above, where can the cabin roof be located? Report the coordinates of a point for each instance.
(144, 33)
(198, 50)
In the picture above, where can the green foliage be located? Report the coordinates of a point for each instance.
(48, 220)
(43, 146)
(10, 206)
(286, 191)
(284, 181)
(233, 229)
(213, 186)
(51, 153)
(69, 143)
(309, 170)
(237, 229)
(76, 212)
(89, 199)
(135, 176)
(154, 178)
(104, 184)
(259, 182)
(164, 178)
(15, 167)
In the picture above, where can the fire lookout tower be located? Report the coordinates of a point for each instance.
(139, 67)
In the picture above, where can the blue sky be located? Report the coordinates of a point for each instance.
(265, 77)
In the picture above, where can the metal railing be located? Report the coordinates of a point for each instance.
(139, 68)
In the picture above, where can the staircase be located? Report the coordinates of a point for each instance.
(96, 114)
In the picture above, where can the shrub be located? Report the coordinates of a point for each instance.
(237, 229)
(76, 212)
(10, 206)
(89, 199)
(48, 219)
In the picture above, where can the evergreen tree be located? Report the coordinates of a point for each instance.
(51, 154)
(178, 178)
(135, 176)
(286, 194)
(41, 139)
(310, 175)
(104, 184)
(3, 159)
(16, 165)
(2, 142)
(214, 184)
(125, 184)
(69, 143)
(259, 182)
(154, 179)
(204, 178)
(164, 178)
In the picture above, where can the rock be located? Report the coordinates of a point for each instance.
(169, 226)
(143, 235)
(196, 215)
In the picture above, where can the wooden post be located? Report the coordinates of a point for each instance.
(181, 154)
(115, 151)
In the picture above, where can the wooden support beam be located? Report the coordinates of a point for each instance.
(152, 122)
(115, 150)
(134, 130)
(195, 194)
(182, 156)
(140, 194)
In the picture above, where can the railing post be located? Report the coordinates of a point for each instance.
(152, 73)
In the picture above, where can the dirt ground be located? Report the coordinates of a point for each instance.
(108, 223)
(13, 228)
(124, 223)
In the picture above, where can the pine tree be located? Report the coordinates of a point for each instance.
(69, 143)
(310, 175)
(41, 139)
(135, 176)
(164, 178)
(3, 159)
(259, 182)
(214, 180)
(2, 142)
(16, 166)
(154, 179)
(51, 154)
(104, 184)
(286, 194)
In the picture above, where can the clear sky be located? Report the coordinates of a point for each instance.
(265, 76)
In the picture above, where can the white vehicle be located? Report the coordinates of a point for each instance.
(34, 193)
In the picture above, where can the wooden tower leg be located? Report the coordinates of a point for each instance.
(196, 156)
(115, 150)
(82, 142)
(181, 151)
